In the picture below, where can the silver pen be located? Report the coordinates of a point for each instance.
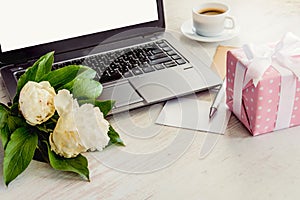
(217, 100)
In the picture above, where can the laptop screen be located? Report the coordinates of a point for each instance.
(34, 22)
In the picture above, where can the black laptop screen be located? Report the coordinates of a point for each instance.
(34, 26)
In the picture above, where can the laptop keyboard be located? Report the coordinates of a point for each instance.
(129, 62)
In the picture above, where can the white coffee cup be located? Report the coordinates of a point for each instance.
(210, 19)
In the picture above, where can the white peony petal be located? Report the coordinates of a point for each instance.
(45, 84)
(92, 127)
(64, 102)
(65, 139)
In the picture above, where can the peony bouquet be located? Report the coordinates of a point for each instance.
(55, 116)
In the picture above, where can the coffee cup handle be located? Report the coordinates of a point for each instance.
(231, 24)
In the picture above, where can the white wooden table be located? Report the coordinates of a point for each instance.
(170, 163)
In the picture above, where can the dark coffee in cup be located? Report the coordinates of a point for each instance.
(211, 11)
(209, 19)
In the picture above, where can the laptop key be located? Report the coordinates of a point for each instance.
(148, 69)
(162, 45)
(176, 57)
(171, 53)
(170, 64)
(106, 77)
(159, 67)
(167, 49)
(136, 71)
(157, 51)
(148, 52)
(123, 69)
(156, 56)
(180, 62)
(127, 74)
(98, 70)
(161, 60)
(145, 65)
(159, 41)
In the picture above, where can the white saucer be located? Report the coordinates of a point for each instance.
(188, 30)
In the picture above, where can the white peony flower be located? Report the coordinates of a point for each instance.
(78, 128)
(65, 139)
(36, 102)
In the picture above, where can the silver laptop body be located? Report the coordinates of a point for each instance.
(167, 69)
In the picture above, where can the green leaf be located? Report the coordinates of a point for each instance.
(87, 74)
(34, 73)
(78, 164)
(4, 129)
(4, 112)
(8, 124)
(5, 135)
(86, 89)
(114, 137)
(15, 122)
(45, 66)
(104, 106)
(62, 76)
(18, 153)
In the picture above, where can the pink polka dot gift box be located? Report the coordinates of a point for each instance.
(263, 85)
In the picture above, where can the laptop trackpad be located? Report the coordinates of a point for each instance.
(169, 83)
(122, 93)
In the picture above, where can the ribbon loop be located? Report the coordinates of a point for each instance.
(286, 53)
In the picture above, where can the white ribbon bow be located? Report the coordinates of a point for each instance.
(285, 58)
(285, 54)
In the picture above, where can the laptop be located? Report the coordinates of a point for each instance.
(137, 61)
